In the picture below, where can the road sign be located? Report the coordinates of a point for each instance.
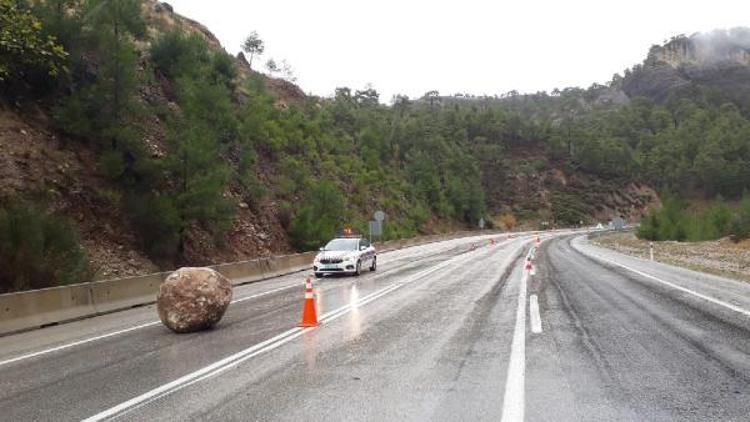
(379, 215)
(376, 228)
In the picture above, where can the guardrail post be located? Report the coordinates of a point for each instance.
(651, 250)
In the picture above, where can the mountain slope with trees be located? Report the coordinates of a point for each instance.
(132, 133)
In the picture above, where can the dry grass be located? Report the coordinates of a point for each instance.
(722, 257)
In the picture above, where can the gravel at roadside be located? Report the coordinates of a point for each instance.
(722, 257)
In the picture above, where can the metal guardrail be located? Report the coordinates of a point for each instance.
(31, 309)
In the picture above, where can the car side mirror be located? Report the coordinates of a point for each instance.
(321, 249)
(363, 247)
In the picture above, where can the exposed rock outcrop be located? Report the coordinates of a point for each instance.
(719, 60)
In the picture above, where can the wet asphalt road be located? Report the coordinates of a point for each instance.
(81, 381)
(622, 346)
(434, 334)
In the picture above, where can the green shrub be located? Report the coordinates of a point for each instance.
(253, 190)
(38, 249)
(111, 165)
(319, 218)
(739, 226)
(177, 54)
(24, 47)
(673, 222)
(157, 222)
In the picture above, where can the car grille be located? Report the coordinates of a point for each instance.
(331, 261)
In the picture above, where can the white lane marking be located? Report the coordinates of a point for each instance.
(149, 324)
(119, 332)
(536, 319)
(514, 400)
(267, 345)
(670, 284)
(242, 299)
(189, 378)
(76, 343)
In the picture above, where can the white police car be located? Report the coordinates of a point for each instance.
(345, 255)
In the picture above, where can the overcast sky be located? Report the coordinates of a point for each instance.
(479, 47)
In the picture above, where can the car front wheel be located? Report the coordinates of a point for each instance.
(358, 268)
(374, 265)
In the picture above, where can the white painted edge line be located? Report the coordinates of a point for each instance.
(119, 332)
(514, 401)
(267, 345)
(715, 301)
(536, 319)
(76, 343)
(145, 325)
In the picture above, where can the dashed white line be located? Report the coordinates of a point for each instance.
(536, 320)
(515, 384)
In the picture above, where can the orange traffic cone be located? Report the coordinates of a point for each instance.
(309, 315)
(530, 267)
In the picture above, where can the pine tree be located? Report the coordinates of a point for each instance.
(195, 165)
(104, 108)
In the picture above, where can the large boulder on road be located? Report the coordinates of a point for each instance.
(193, 299)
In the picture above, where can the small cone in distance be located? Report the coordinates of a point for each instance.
(309, 315)
(530, 266)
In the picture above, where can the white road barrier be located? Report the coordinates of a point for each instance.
(120, 332)
(37, 308)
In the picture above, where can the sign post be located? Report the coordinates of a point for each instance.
(376, 225)
(375, 228)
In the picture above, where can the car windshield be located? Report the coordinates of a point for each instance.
(342, 245)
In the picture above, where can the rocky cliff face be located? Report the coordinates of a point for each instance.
(719, 60)
(704, 49)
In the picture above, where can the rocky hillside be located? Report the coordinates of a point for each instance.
(195, 158)
(719, 60)
(35, 156)
(537, 187)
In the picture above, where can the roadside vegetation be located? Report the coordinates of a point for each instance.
(38, 249)
(722, 257)
(222, 139)
(675, 221)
